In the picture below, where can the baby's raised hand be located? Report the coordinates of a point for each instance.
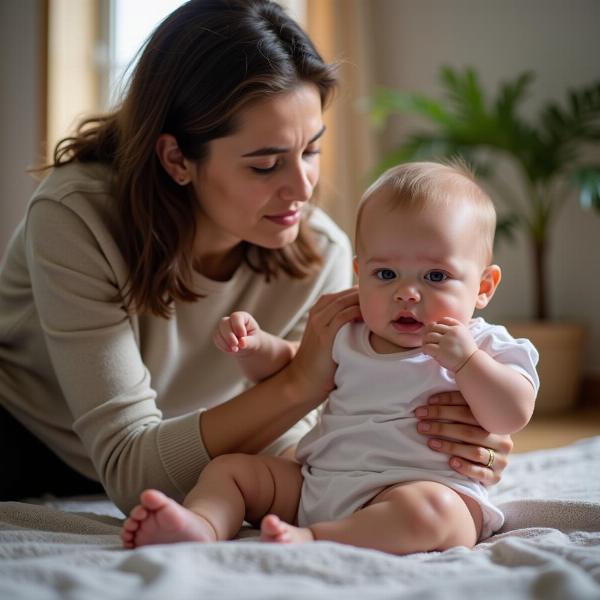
(239, 332)
(450, 343)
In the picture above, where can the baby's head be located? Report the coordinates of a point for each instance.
(424, 239)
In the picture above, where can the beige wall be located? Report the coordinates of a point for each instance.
(20, 114)
(557, 39)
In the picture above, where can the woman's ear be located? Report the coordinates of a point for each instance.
(490, 278)
(172, 159)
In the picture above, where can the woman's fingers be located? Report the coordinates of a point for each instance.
(469, 434)
(460, 413)
(345, 316)
(447, 398)
(331, 312)
(476, 471)
(453, 430)
(471, 459)
(329, 306)
(479, 455)
(313, 358)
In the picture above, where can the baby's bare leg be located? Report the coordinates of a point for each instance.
(238, 487)
(230, 489)
(418, 516)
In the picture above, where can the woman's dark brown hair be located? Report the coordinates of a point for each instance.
(201, 65)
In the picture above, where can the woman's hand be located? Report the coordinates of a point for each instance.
(470, 447)
(313, 366)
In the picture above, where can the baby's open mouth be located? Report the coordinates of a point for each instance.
(407, 324)
(407, 320)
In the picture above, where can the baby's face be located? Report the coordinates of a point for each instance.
(415, 268)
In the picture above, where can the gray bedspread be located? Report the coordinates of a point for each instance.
(549, 548)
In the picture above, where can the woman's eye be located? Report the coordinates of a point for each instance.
(436, 276)
(264, 170)
(385, 274)
(312, 151)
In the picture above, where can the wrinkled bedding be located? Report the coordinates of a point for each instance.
(549, 547)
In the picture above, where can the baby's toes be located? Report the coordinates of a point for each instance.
(139, 513)
(131, 525)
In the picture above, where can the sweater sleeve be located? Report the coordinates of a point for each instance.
(94, 352)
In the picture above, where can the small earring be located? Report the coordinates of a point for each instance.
(182, 181)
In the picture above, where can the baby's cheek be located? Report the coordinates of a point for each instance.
(456, 308)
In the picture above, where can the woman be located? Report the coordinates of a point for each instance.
(188, 202)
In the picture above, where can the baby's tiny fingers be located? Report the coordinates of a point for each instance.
(448, 322)
(219, 342)
(238, 324)
(439, 328)
(432, 337)
(430, 349)
(232, 342)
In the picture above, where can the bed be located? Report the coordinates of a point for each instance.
(548, 548)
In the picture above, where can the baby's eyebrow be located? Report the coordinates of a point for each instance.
(376, 259)
(432, 261)
(269, 150)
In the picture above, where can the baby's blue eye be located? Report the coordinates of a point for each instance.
(436, 276)
(385, 274)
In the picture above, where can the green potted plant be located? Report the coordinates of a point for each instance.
(548, 154)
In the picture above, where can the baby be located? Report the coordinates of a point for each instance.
(424, 240)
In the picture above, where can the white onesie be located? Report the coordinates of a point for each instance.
(366, 438)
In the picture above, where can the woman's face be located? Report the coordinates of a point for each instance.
(255, 183)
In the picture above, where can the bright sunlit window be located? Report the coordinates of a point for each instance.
(131, 22)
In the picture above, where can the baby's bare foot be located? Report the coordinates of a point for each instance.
(160, 520)
(273, 529)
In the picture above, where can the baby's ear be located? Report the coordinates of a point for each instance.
(490, 278)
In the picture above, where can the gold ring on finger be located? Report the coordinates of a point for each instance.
(490, 462)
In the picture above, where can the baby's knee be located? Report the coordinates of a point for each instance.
(433, 514)
(231, 464)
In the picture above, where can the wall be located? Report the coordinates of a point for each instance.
(20, 114)
(558, 40)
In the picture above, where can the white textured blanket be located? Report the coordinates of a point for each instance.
(549, 548)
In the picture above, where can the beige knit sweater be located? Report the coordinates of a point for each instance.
(115, 395)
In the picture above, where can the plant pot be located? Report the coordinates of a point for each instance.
(560, 345)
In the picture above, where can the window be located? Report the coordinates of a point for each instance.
(130, 23)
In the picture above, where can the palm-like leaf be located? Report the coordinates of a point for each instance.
(588, 180)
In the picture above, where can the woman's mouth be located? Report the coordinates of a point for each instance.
(287, 219)
(407, 325)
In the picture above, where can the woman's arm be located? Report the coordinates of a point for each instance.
(462, 439)
(252, 420)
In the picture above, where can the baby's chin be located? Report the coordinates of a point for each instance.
(386, 345)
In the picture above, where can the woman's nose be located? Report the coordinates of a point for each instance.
(298, 186)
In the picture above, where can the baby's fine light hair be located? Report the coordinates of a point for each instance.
(417, 185)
